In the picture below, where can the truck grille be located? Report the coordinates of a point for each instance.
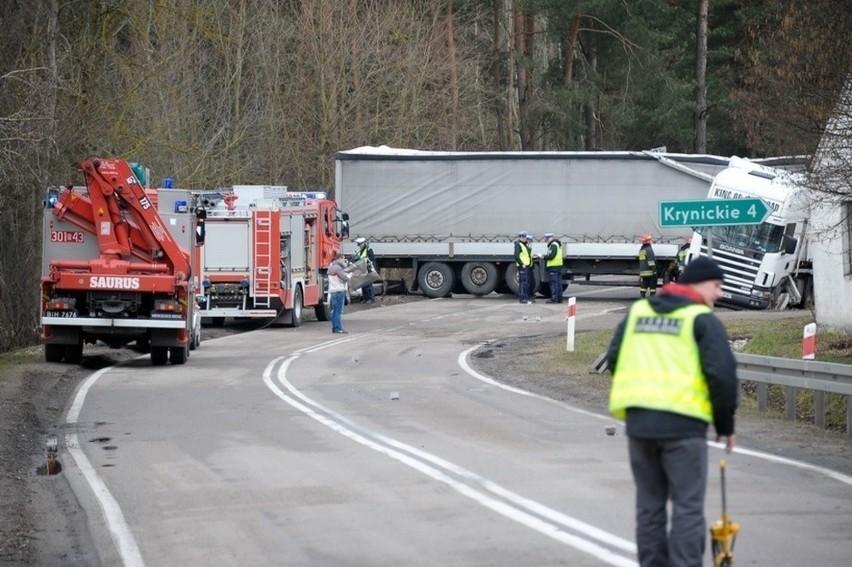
(740, 271)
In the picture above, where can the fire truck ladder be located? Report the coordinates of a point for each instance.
(262, 277)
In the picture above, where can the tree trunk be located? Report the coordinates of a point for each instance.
(700, 145)
(454, 76)
(524, 29)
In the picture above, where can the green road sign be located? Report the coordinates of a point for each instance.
(712, 212)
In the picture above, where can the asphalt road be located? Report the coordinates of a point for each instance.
(384, 447)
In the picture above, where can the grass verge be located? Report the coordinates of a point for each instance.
(781, 338)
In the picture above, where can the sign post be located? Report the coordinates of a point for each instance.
(809, 341)
(712, 212)
(570, 315)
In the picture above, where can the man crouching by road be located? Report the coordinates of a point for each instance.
(673, 374)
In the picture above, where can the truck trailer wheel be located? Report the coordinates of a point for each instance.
(479, 278)
(512, 279)
(436, 279)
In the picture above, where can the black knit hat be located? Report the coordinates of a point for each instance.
(701, 269)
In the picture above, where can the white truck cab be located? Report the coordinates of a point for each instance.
(766, 265)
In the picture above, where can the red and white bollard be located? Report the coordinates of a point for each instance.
(571, 315)
(809, 342)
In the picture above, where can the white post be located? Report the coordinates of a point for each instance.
(571, 315)
(809, 342)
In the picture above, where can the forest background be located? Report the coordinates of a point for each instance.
(220, 92)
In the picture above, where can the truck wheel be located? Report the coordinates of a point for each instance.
(296, 312)
(159, 355)
(479, 278)
(323, 311)
(511, 279)
(54, 353)
(74, 353)
(178, 355)
(436, 279)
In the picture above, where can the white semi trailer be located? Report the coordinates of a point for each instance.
(451, 217)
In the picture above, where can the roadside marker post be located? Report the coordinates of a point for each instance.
(571, 315)
(809, 342)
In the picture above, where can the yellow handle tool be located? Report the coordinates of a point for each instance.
(723, 533)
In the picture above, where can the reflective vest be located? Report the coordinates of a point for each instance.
(647, 262)
(556, 261)
(363, 252)
(681, 259)
(659, 366)
(525, 256)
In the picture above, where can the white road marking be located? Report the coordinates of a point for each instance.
(529, 513)
(113, 517)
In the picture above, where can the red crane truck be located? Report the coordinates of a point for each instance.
(266, 253)
(117, 270)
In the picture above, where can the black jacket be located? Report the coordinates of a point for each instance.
(717, 362)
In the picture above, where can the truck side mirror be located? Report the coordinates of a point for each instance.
(790, 245)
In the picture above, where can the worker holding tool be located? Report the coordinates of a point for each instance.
(673, 374)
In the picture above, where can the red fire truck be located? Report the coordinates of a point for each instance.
(266, 251)
(116, 269)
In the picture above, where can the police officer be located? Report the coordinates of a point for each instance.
(673, 375)
(524, 262)
(647, 267)
(553, 261)
(364, 251)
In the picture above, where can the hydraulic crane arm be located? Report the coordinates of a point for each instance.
(113, 190)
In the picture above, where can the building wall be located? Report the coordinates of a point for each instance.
(832, 257)
(831, 219)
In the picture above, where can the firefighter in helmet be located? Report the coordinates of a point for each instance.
(647, 268)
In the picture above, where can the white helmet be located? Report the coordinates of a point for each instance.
(360, 241)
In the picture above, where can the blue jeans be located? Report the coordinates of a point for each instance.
(676, 470)
(524, 276)
(338, 299)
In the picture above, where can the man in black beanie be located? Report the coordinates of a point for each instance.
(673, 375)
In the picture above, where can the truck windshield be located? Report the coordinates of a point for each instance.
(762, 237)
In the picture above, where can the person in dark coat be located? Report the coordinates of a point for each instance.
(673, 374)
(647, 267)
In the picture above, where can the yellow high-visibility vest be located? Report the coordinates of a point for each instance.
(658, 364)
(556, 261)
(525, 256)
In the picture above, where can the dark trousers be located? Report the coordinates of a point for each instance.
(646, 284)
(525, 282)
(676, 470)
(555, 279)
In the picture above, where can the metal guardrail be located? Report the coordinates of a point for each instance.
(821, 377)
